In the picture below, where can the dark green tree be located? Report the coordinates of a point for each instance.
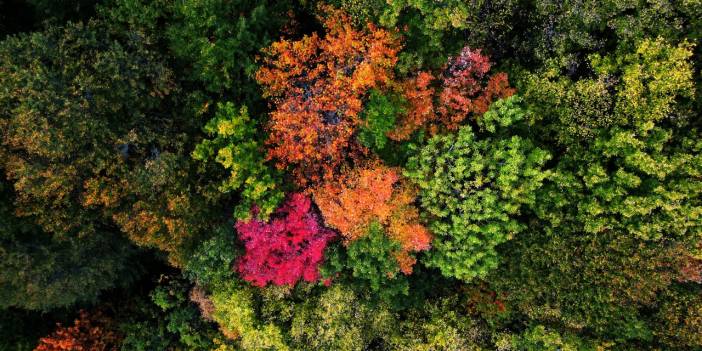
(40, 271)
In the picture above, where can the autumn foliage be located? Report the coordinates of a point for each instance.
(286, 249)
(88, 333)
(316, 86)
(374, 194)
(464, 89)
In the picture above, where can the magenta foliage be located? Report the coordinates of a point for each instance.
(288, 248)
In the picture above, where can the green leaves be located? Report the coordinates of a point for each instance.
(237, 149)
(473, 191)
(220, 39)
(379, 115)
(372, 264)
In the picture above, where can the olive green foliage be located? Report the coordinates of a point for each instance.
(566, 217)
(473, 190)
(166, 320)
(371, 263)
(680, 318)
(87, 73)
(566, 29)
(235, 312)
(86, 142)
(236, 148)
(41, 272)
(442, 325)
(438, 29)
(339, 320)
(540, 338)
(622, 206)
(210, 263)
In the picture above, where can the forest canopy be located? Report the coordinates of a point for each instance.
(361, 175)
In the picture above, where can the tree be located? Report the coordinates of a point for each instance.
(464, 90)
(316, 87)
(339, 320)
(474, 189)
(164, 318)
(235, 312)
(375, 194)
(372, 263)
(286, 249)
(620, 214)
(86, 143)
(379, 117)
(219, 40)
(235, 147)
(89, 332)
(40, 271)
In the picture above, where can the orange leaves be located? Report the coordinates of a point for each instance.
(374, 193)
(357, 199)
(420, 97)
(316, 86)
(88, 333)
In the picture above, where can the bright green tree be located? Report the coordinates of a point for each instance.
(236, 148)
(474, 186)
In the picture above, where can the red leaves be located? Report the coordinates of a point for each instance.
(316, 86)
(465, 90)
(88, 333)
(288, 248)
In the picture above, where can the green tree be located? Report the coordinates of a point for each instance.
(219, 39)
(379, 115)
(339, 320)
(622, 208)
(236, 148)
(88, 142)
(473, 189)
(372, 264)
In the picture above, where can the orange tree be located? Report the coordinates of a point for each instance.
(316, 87)
(463, 89)
(89, 332)
(370, 196)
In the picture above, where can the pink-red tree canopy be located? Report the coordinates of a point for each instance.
(287, 248)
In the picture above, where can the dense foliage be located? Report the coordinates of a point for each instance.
(350, 175)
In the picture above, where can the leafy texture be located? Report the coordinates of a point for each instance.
(473, 191)
(235, 147)
(286, 249)
(89, 332)
(375, 195)
(316, 86)
(465, 90)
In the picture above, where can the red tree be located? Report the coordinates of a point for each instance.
(465, 90)
(316, 86)
(286, 249)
